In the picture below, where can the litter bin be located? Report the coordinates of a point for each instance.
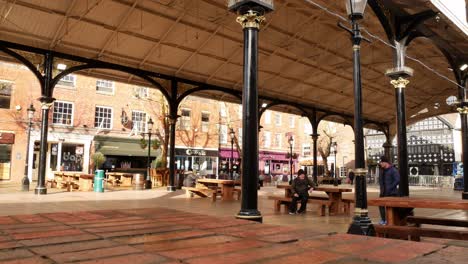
(99, 181)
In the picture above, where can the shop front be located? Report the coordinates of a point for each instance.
(65, 152)
(226, 156)
(203, 162)
(275, 165)
(124, 154)
(6, 143)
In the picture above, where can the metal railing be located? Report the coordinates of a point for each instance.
(432, 181)
(422, 180)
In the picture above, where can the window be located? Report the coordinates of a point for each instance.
(305, 150)
(105, 86)
(223, 134)
(239, 135)
(68, 80)
(5, 94)
(267, 117)
(277, 119)
(141, 92)
(184, 121)
(266, 139)
(63, 113)
(139, 121)
(103, 117)
(205, 122)
(291, 122)
(277, 142)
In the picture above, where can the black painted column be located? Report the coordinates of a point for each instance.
(361, 225)
(315, 166)
(388, 150)
(463, 110)
(400, 85)
(172, 123)
(250, 20)
(46, 102)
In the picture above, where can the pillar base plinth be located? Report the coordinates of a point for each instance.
(251, 215)
(171, 188)
(465, 195)
(361, 225)
(40, 190)
(148, 185)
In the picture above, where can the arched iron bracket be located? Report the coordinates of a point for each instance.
(208, 88)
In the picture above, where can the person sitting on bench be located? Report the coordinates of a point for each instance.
(300, 191)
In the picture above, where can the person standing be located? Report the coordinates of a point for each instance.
(389, 179)
(351, 176)
(300, 192)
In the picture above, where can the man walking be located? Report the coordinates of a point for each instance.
(389, 178)
(300, 191)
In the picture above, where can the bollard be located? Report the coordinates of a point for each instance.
(99, 181)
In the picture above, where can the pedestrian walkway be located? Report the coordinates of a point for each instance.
(161, 235)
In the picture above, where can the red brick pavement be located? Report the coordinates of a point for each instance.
(159, 235)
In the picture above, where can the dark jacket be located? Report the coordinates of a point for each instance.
(389, 180)
(301, 186)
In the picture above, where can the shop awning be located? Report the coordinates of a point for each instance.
(226, 154)
(115, 146)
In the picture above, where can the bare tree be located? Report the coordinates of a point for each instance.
(324, 143)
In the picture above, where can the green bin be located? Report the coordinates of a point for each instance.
(99, 181)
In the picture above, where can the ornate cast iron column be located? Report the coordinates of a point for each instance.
(251, 15)
(463, 110)
(400, 81)
(315, 166)
(46, 102)
(172, 122)
(388, 149)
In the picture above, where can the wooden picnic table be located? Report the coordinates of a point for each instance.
(393, 204)
(125, 179)
(334, 195)
(227, 186)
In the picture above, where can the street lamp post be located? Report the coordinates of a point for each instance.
(334, 150)
(231, 172)
(148, 183)
(25, 181)
(361, 224)
(290, 141)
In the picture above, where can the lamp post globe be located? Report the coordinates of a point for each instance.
(148, 183)
(25, 182)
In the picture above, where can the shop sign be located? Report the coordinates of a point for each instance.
(7, 138)
(195, 152)
(79, 150)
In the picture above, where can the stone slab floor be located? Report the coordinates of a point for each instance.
(123, 226)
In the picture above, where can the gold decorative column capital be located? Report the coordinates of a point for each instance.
(251, 19)
(463, 110)
(356, 47)
(400, 82)
(360, 171)
(46, 106)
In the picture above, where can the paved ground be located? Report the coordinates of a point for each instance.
(46, 229)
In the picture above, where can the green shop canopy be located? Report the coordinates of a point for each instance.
(116, 146)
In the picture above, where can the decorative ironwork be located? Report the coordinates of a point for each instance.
(400, 82)
(251, 19)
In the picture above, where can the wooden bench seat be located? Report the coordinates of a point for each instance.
(419, 220)
(202, 192)
(321, 201)
(347, 204)
(414, 233)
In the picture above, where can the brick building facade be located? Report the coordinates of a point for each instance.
(92, 114)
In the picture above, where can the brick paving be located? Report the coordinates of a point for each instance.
(162, 235)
